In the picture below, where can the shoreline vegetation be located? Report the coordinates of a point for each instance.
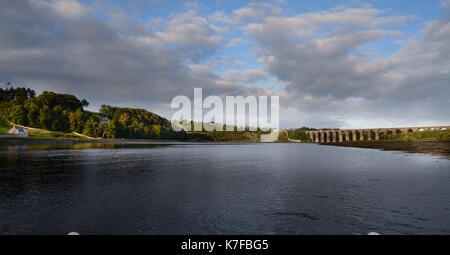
(42, 136)
(63, 116)
(52, 118)
(426, 142)
(432, 148)
(433, 142)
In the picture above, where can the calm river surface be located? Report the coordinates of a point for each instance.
(221, 189)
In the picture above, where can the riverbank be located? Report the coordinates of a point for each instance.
(432, 148)
(6, 141)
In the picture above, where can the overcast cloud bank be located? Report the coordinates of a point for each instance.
(325, 65)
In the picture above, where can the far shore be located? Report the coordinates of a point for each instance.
(64, 141)
(433, 148)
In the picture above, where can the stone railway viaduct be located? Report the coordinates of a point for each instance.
(341, 135)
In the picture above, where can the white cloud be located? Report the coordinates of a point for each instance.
(318, 61)
(192, 30)
(236, 41)
(326, 72)
(255, 11)
(70, 8)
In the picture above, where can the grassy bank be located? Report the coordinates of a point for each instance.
(4, 127)
(38, 133)
(41, 134)
(424, 136)
(282, 138)
(45, 134)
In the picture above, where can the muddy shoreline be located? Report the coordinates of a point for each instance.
(432, 148)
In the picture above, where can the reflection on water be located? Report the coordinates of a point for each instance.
(221, 189)
(77, 146)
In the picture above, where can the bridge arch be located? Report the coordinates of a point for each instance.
(338, 135)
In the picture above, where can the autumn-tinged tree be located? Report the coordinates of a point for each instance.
(76, 120)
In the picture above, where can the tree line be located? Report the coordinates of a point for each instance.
(66, 113)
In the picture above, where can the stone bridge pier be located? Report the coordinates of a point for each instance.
(339, 135)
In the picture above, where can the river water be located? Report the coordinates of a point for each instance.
(221, 189)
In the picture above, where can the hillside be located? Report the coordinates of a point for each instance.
(236, 136)
(53, 115)
(35, 133)
(297, 134)
(4, 127)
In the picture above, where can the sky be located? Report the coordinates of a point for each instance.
(334, 64)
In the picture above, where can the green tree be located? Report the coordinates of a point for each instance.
(18, 115)
(76, 120)
(84, 103)
(44, 118)
(110, 130)
(33, 113)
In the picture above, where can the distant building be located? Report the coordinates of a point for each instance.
(17, 131)
(105, 120)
